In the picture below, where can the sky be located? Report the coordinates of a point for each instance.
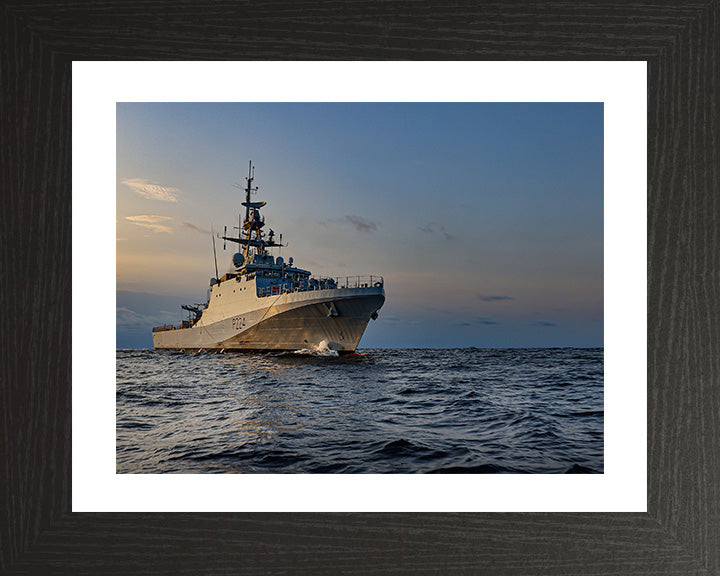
(485, 219)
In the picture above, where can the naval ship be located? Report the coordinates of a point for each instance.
(268, 304)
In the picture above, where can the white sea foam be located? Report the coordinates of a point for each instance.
(321, 349)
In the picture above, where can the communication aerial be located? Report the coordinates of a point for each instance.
(212, 233)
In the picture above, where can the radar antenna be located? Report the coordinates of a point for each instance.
(248, 192)
(250, 235)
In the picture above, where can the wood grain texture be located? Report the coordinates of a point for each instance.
(681, 532)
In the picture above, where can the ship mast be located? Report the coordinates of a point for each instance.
(250, 229)
(248, 191)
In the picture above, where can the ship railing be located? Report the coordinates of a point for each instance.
(356, 281)
(332, 283)
(164, 328)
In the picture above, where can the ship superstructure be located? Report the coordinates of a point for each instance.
(269, 304)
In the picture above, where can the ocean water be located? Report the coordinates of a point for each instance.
(463, 410)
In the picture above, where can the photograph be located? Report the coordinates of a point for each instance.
(436, 282)
(367, 287)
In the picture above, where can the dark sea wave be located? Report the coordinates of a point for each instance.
(468, 411)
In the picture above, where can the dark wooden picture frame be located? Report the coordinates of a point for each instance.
(680, 533)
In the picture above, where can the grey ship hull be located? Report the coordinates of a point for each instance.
(334, 318)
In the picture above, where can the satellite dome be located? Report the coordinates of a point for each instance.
(279, 261)
(238, 259)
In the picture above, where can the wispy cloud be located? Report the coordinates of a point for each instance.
(193, 227)
(150, 221)
(358, 222)
(477, 320)
(545, 324)
(493, 298)
(392, 319)
(124, 317)
(152, 191)
(148, 218)
(132, 321)
(430, 228)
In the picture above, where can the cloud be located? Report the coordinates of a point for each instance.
(435, 229)
(477, 320)
(152, 191)
(151, 221)
(124, 317)
(147, 218)
(358, 222)
(486, 298)
(193, 227)
(545, 324)
(131, 321)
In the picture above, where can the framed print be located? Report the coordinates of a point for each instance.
(603, 114)
(40, 532)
